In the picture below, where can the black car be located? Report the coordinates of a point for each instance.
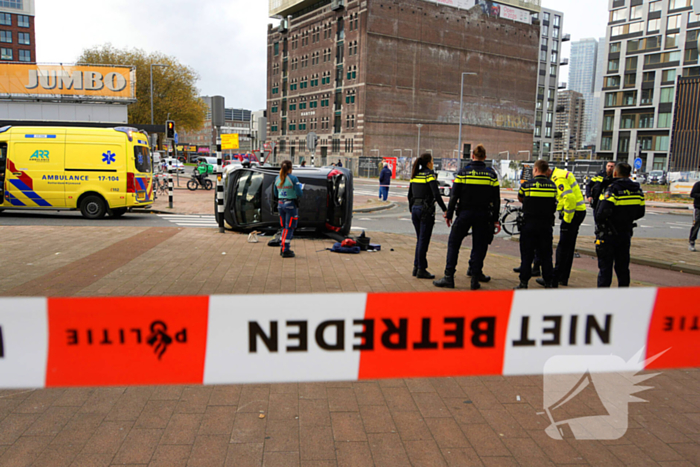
(325, 207)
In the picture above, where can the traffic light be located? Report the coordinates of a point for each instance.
(169, 129)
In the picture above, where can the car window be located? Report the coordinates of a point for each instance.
(142, 157)
(248, 202)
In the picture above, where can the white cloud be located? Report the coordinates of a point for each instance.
(224, 40)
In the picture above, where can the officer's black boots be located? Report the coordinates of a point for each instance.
(288, 254)
(415, 272)
(483, 278)
(475, 283)
(535, 271)
(424, 274)
(541, 282)
(522, 285)
(447, 282)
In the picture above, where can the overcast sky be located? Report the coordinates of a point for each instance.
(223, 40)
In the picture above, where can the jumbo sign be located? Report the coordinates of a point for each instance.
(84, 82)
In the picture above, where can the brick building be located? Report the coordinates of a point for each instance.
(17, 38)
(373, 77)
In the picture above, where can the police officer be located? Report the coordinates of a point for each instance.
(621, 205)
(572, 212)
(597, 185)
(423, 192)
(539, 198)
(477, 200)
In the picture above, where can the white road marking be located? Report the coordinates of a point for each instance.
(407, 220)
(190, 220)
(358, 228)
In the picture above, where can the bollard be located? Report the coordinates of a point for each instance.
(220, 191)
(170, 191)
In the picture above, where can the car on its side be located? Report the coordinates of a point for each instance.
(325, 207)
(445, 178)
(251, 157)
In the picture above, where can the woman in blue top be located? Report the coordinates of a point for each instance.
(288, 191)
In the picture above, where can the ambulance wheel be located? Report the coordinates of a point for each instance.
(118, 212)
(93, 207)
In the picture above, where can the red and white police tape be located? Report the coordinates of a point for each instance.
(293, 338)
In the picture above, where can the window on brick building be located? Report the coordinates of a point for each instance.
(5, 19)
(23, 21)
(25, 56)
(6, 37)
(5, 54)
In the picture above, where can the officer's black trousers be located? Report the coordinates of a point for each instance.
(696, 227)
(614, 252)
(567, 246)
(424, 230)
(480, 224)
(536, 241)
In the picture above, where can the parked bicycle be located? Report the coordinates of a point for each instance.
(161, 184)
(198, 181)
(512, 218)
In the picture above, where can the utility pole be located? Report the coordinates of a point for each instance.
(420, 125)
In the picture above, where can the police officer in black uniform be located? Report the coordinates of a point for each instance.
(476, 198)
(423, 192)
(597, 185)
(618, 208)
(539, 198)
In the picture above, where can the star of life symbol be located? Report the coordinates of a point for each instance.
(605, 382)
(108, 157)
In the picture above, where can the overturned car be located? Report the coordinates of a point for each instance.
(249, 203)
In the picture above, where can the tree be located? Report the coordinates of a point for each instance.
(174, 90)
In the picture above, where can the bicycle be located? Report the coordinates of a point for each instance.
(195, 183)
(161, 185)
(512, 218)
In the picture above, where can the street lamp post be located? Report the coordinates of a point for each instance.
(461, 105)
(420, 125)
(152, 65)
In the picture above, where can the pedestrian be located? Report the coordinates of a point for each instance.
(621, 205)
(598, 184)
(288, 192)
(303, 163)
(385, 181)
(539, 198)
(476, 199)
(695, 194)
(339, 164)
(423, 193)
(572, 212)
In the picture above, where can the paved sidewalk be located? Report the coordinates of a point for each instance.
(492, 421)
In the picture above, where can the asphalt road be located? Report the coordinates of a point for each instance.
(657, 223)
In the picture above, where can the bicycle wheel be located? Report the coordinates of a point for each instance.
(511, 223)
(192, 185)
(208, 185)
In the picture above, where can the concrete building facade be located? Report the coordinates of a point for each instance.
(548, 84)
(569, 126)
(649, 44)
(17, 37)
(375, 77)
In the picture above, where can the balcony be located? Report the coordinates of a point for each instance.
(566, 38)
(564, 62)
(562, 86)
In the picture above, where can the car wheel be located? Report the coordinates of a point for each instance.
(93, 207)
(447, 191)
(118, 212)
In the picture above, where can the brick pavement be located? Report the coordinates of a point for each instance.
(492, 421)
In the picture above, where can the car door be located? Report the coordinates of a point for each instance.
(35, 175)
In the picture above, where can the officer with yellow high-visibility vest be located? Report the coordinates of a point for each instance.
(572, 211)
(618, 208)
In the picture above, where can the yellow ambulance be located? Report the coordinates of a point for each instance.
(95, 170)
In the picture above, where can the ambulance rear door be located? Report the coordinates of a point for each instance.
(34, 168)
